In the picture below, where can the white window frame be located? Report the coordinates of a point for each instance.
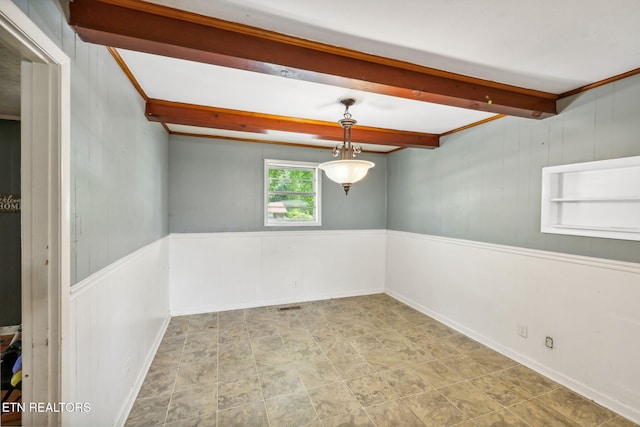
(317, 186)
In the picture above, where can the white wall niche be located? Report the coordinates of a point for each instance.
(596, 199)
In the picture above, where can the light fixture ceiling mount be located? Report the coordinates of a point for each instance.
(347, 170)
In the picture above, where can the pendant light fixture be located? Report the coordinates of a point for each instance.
(347, 170)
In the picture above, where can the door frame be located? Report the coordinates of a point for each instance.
(45, 211)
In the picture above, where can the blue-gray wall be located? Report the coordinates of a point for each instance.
(119, 160)
(217, 186)
(484, 183)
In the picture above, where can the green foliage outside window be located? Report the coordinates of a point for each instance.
(291, 193)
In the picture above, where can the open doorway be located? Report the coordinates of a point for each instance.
(10, 239)
(44, 209)
(10, 245)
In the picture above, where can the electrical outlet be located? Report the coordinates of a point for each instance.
(549, 342)
(522, 330)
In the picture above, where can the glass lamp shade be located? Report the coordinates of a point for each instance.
(346, 172)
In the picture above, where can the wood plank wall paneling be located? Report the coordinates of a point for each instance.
(484, 183)
(119, 161)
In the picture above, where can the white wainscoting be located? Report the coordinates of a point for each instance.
(117, 318)
(223, 271)
(589, 306)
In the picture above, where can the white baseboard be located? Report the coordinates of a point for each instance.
(277, 301)
(131, 398)
(486, 291)
(556, 376)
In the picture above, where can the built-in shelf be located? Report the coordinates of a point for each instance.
(597, 199)
(586, 227)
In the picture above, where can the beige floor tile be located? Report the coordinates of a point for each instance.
(230, 317)
(191, 375)
(412, 354)
(439, 331)
(437, 374)
(469, 399)
(292, 410)
(261, 329)
(620, 422)
(159, 380)
(150, 411)
(209, 420)
(413, 333)
(267, 343)
(286, 325)
(240, 347)
(465, 366)
(201, 342)
(192, 403)
(333, 399)
(241, 369)
(239, 392)
(503, 391)
(339, 355)
(352, 419)
(204, 321)
(178, 326)
(389, 337)
(172, 344)
(501, 418)
(537, 413)
(364, 343)
(350, 329)
(315, 374)
(576, 407)
(405, 381)
(529, 381)
(254, 415)
(352, 367)
(491, 360)
(312, 353)
(393, 414)
(236, 332)
(436, 348)
(463, 344)
(384, 358)
(200, 356)
(337, 348)
(299, 342)
(434, 409)
(279, 357)
(166, 360)
(372, 390)
(279, 381)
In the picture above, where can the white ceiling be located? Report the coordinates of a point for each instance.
(547, 45)
(203, 84)
(553, 46)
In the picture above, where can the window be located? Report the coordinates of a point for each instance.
(292, 193)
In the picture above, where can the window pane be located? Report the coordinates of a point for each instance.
(282, 207)
(291, 193)
(291, 180)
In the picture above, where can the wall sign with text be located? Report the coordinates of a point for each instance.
(9, 203)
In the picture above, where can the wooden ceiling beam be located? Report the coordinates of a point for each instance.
(219, 118)
(151, 28)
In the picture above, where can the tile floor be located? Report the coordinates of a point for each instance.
(361, 361)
